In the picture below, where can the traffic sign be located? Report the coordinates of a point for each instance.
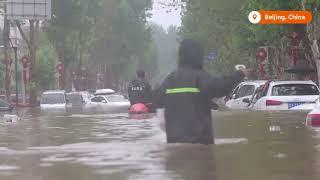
(29, 9)
(211, 56)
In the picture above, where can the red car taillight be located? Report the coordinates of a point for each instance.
(273, 103)
(314, 120)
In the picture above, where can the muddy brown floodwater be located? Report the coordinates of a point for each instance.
(249, 146)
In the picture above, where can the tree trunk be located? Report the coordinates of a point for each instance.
(316, 56)
(6, 32)
(312, 36)
(33, 52)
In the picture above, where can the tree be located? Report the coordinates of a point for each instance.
(46, 60)
(32, 45)
(167, 48)
(109, 37)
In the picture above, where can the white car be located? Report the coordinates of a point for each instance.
(53, 100)
(284, 95)
(244, 90)
(112, 102)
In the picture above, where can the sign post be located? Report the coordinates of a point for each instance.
(26, 10)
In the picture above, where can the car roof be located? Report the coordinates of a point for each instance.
(74, 93)
(259, 82)
(292, 82)
(54, 92)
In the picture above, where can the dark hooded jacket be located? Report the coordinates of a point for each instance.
(186, 96)
(139, 91)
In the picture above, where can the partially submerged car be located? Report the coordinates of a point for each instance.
(53, 100)
(284, 95)
(243, 91)
(77, 99)
(5, 106)
(111, 102)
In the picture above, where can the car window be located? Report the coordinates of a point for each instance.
(97, 99)
(116, 98)
(75, 98)
(53, 99)
(245, 90)
(294, 90)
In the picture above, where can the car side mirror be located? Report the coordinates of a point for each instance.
(233, 96)
(246, 100)
(104, 101)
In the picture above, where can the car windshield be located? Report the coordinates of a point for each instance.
(295, 90)
(116, 98)
(53, 99)
(74, 98)
(3, 104)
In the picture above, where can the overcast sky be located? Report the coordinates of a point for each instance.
(164, 18)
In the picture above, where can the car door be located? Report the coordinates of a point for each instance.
(259, 101)
(245, 91)
(231, 103)
(4, 106)
(97, 102)
(254, 104)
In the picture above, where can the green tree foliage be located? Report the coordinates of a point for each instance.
(103, 35)
(46, 60)
(211, 23)
(167, 48)
(234, 38)
(125, 43)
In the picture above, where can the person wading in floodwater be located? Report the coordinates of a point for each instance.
(140, 90)
(186, 96)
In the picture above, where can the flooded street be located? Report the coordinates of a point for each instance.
(265, 146)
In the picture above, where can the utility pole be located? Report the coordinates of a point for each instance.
(6, 33)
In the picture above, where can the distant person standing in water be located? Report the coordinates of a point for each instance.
(139, 90)
(186, 96)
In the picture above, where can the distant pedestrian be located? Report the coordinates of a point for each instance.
(139, 90)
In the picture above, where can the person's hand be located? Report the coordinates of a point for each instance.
(246, 72)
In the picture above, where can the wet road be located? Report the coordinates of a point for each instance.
(57, 146)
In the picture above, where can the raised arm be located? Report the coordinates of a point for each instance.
(213, 87)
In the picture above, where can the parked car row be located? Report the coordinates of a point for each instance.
(5, 106)
(274, 95)
(103, 99)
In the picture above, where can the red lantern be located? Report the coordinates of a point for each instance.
(60, 68)
(74, 74)
(25, 60)
(262, 54)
